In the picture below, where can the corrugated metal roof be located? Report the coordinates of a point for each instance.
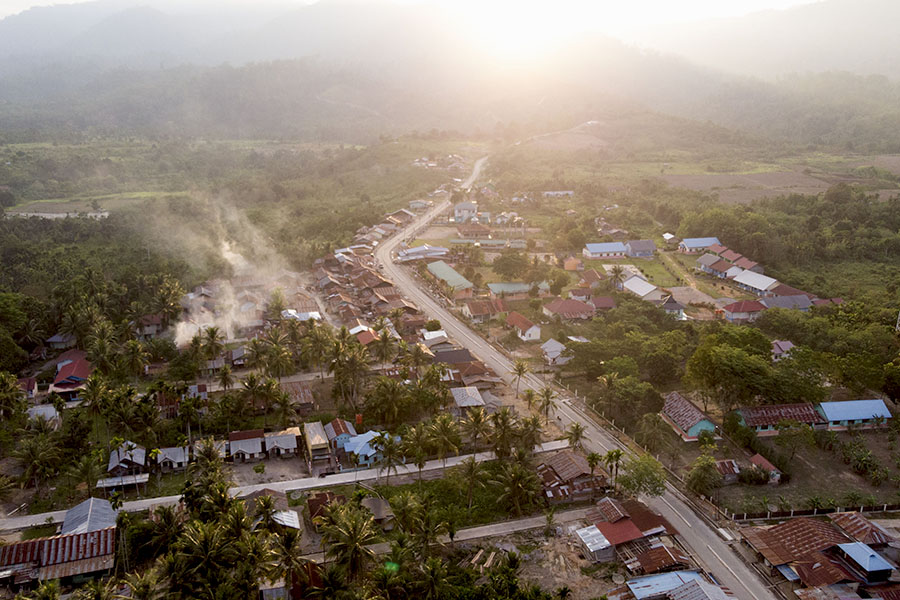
(865, 557)
(682, 412)
(91, 515)
(448, 275)
(793, 540)
(698, 590)
(466, 397)
(772, 414)
(605, 247)
(862, 529)
(653, 586)
(62, 555)
(701, 242)
(855, 410)
(662, 557)
(592, 538)
(755, 280)
(314, 432)
(568, 466)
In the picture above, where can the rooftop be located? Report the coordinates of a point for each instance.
(448, 275)
(755, 280)
(793, 540)
(606, 247)
(755, 416)
(466, 397)
(682, 412)
(865, 557)
(569, 308)
(701, 242)
(519, 321)
(93, 514)
(592, 538)
(854, 410)
(657, 586)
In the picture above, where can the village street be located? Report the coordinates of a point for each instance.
(703, 541)
(292, 485)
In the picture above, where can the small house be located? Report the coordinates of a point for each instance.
(458, 286)
(480, 311)
(604, 250)
(864, 561)
(855, 413)
(694, 245)
(524, 328)
(94, 514)
(640, 248)
(687, 420)
(61, 341)
(128, 458)
(283, 443)
(729, 470)
(338, 432)
(173, 459)
(381, 510)
(673, 307)
(642, 288)
(573, 264)
(781, 348)
(362, 449)
(465, 398)
(553, 352)
(602, 302)
(758, 284)
(592, 278)
(594, 545)
(743, 311)
(28, 385)
(512, 291)
(568, 309)
(760, 462)
(317, 447)
(246, 446)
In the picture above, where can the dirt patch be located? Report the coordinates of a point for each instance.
(688, 295)
(277, 469)
(744, 188)
(438, 233)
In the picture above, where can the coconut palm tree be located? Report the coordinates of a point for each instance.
(444, 436)
(384, 348)
(388, 399)
(333, 586)
(279, 362)
(257, 354)
(40, 458)
(477, 424)
(391, 453)
(417, 445)
(348, 534)
(226, 378)
(316, 345)
(86, 470)
(530, 397)
(593, 461)
(518, 486)
(98, 589)
(471, 473)
(213, 343)
(613, 459)
(529, 434)
(545, 399)
(520, 369)
(47, 590)
(616, 276)
(134, 358)
(285, 409)
(252, 390)
(143, 586)
(433, 583)
(504, 432)
(575, 434)
(12, 399)
(287, 550)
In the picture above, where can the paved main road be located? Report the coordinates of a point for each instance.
(703, 541)
(290, 485)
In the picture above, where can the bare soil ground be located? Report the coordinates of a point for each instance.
(743, 188)
(277, 469)
(438, 233)
(552, 562)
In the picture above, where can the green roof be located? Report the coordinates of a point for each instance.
(448, 275)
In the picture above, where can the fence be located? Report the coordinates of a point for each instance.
(810, 512)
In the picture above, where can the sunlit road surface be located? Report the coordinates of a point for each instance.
(704, 543)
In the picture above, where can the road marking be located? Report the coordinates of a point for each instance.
(676, 512)
(730, 570)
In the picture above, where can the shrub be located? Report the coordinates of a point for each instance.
(753, 476)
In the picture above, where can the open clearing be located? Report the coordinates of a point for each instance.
(736, 188)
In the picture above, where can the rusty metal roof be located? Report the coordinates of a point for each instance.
(61, 555)
(775, 413)
(793, 540)
(569, 466)
(682, 412)
(662, 558)
(862, 529)
(612, 510)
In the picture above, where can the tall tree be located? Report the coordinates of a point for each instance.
(391, 452)
(477, 425)
(348, 534)
(520, 369)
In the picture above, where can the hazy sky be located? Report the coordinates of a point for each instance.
(614, 16)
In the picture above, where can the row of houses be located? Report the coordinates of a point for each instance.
(688, 421)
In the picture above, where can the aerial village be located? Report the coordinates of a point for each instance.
(352, 385)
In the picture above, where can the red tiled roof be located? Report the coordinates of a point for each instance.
(744, 306)
(793, 540)
(366, 337)
(74, 372)
(731, 255)
(570, 309)
(72, 355)
(682, 412)
(519, 321)
(760, 461)
(612, 510)
(721, 266)
(603, 302)
(619, 532)
(717, 248)
(745, 263)
(783, 289)
(755, 416)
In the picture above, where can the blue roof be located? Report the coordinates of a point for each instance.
(703, 242)
(606, 247)
(865, 557)
(854, 410)
(653, 586)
